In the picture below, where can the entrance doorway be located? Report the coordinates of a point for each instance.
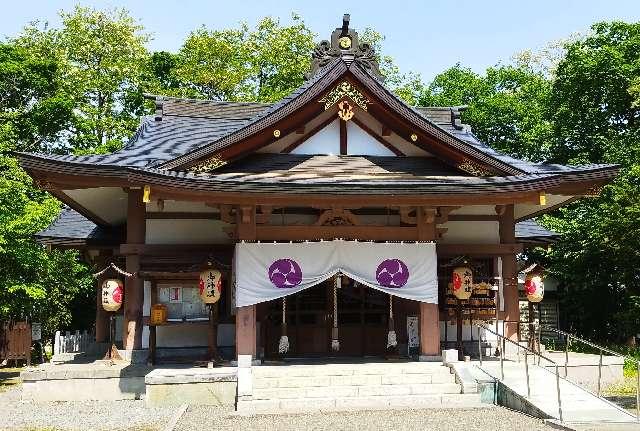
(362, 321)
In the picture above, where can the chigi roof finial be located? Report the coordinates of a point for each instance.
(344, 44)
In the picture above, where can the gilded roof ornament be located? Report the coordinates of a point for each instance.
(344, 89)
(474, 169)
(210, 164)
(344, 44)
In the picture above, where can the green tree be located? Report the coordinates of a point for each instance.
(261, 64)
(101, 57)
(596, 121)
(34, 283)
(507, 106)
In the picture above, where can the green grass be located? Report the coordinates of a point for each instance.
(9, 378)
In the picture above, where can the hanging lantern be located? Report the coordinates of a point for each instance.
(534, 287)
(335, 340)
(210, 286)
(159, 314)
(462, 282)
(112, 291)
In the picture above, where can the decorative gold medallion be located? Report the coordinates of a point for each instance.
(345, 110)
(345, 42)
(276, 133)
(414, 137)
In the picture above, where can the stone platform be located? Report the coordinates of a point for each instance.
(195, 386)
(104, 381)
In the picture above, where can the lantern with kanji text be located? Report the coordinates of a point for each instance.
(462, 283)
(534, 287)
(112, 291)
(210, 286)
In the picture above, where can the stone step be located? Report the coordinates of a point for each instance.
(354, 391)
(349, 370)
(426, 401)
(352, 380)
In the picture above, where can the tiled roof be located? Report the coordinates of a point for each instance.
(72, 228)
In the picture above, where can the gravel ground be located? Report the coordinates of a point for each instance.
(107, 415)
(493, 418)
(85, 416)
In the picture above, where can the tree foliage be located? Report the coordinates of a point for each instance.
(34, 283)
(101, 58)
(575, 104)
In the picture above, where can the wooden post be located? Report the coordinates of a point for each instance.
(134, 287)
(213, 332)
(429, 331)
(509, 273)
(246, 316)
(429, 313)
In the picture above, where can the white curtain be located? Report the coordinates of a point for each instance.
(267, 271)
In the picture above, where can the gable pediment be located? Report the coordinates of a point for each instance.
(370, 100)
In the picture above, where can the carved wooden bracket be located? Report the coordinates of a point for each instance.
(443, 214)
(429, 215)
(337, 217)
(264, 215)
(246, 214)
(500, 209)
(408, 215)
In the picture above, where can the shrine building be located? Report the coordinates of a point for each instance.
(337, 218)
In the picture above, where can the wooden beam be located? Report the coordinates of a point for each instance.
(183, 216)
(299, 233)
(296, 234)
(171, 249)
(344, 200)
(163, 275)
(478, 249)
(343, 138)
(373, 134)
(473, 217)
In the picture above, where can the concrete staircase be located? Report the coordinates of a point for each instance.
(578, 405)
(361, 386)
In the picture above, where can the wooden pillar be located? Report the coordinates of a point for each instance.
(102, 317)
(509, 272)
(429, 330)
(134, 287)
(429, 313)
(246, 316)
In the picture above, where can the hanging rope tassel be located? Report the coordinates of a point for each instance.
(392, 340)
(335, 341)
(283, 345)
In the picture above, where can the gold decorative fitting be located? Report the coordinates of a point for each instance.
(146, 194)
(276, 133)
(345, 110)
(345, 42)
(542, 198)
(473, 168)
(414, 137)
(344, 89)
(209, 164)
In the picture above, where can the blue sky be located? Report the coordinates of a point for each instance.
(422, 36)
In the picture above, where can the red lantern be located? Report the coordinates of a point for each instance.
(534, 287)
(210, 286)
(462, 284)
(112, 292)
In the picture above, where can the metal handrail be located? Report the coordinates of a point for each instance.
(503, 341)
(569, 337)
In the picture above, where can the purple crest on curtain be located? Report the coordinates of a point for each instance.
(285, 273)
(392, 273)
